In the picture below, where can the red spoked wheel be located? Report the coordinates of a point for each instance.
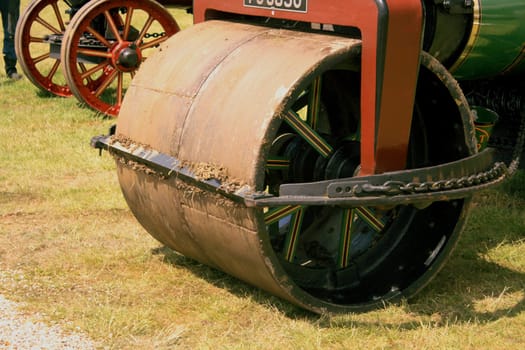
(105, 44)
(38, 38)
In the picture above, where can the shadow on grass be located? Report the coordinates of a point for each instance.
(235, 286)
(47, 94)
(108, 96)
(469, 288)
(8, 82)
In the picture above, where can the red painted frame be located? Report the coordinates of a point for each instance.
(391, 31)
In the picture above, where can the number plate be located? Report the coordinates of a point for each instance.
(283, 5)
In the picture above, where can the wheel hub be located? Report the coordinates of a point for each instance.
(127, 57)
(307, 165)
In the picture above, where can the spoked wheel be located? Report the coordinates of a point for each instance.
(105, 44)
(277, 107)
(38, 37)
(356, 255)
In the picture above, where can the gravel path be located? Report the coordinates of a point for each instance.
(18, 332)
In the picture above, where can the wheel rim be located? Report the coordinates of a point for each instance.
(41, 23)
(356, 255)
(98, 63)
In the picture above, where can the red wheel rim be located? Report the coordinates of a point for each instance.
(98, 74)
(41, 23)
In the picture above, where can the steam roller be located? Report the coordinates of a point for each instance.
(312, 148)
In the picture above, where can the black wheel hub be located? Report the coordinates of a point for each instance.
(308, 165)
(129, 58)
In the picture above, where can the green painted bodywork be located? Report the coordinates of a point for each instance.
(497, 44)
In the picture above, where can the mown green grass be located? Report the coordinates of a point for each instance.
(71, 251)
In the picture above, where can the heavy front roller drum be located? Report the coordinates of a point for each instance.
(252, 108)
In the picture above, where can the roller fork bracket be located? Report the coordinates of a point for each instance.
(391, 33)
(454, 180)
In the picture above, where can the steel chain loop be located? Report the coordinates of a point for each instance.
(392, 188)
(90, 40)
(154, 35)
(498, 169)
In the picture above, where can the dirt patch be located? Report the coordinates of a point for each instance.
(6, 196)
(136, 166)
(127, 142)
(201, 171)
(207, 171)
(192, 193)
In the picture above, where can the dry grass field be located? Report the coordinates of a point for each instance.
(72, 253)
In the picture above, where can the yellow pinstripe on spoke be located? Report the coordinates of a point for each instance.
(277, 163)
(277, 214)
(347, 222)
(308, 134)
(314, 104)
(370, 218)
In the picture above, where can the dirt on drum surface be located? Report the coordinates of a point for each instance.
(200, 171)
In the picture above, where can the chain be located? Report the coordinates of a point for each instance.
(392, 188)
(498, 169)
(154, 35)
(90, 40)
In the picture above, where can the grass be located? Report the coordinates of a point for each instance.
(71, 252)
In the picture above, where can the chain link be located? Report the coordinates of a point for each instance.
(90, 40)
(154, 35)
(392, 188)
